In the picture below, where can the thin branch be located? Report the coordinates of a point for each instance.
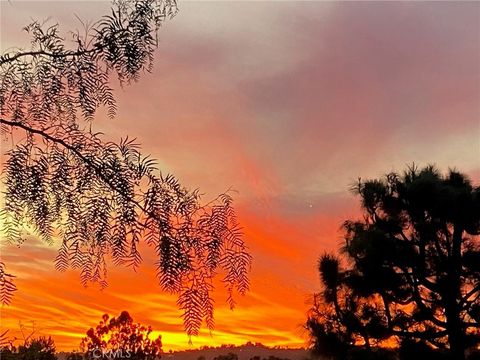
(420, 334)
(467, 296)
(75, 151)
(7, 58)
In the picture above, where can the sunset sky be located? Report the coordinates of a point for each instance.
(288, 103)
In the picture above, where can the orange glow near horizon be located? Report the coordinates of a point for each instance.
(271, 313)
(287, 104)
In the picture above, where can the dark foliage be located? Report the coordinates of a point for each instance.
(41, 348)
(326, 342)
(271, 357)
(121, 337)
(410, 269)
(74, 356)
(229, 356)
(412, 349)
(102, 199)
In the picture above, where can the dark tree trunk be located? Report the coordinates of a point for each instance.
(456, 337)
(455, 330)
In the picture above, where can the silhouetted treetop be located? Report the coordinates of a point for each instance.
(121, 337)
(61, 180)
(410, 268)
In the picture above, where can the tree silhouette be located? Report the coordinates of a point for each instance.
(61, 180)
(121, 338)
(410, 268)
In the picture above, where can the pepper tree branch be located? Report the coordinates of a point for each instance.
(7, 58)
(77, 153)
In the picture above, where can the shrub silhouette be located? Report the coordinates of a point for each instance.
(41, 348)
(229, 356)
(74, 356)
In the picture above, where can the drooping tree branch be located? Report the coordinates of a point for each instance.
(74, 150)
(102, 199)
